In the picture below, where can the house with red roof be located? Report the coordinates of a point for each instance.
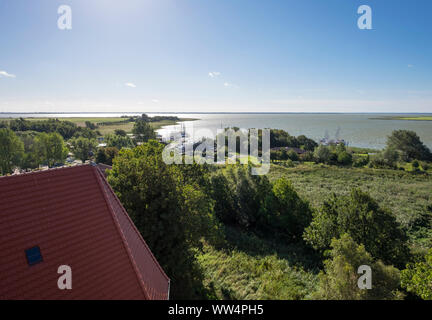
(70, 218)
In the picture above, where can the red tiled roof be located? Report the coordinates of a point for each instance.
(75, 218)
(104, 167)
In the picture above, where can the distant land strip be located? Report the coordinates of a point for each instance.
(421, 118)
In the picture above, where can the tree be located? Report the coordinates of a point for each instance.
(409, 145)
(143, 131)
(90, 125)
(171, 216)
(322, 154)
(120, 132)
(288, 214)
(360, 216)
(239, 197)
(11, 150)
(308, 144)
(83, 148)
(390, 156)
(30, 158)
(417, 277)
(119, 142)
(339, 281)
(106, 155)
(85, 133)
(51, 148)
(344, 158)
(292, 155)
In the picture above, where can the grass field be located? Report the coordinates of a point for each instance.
(106, 129)
(249, 267)
(405, 194)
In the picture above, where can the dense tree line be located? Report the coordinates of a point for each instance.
(29, 151)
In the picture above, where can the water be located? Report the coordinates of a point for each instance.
(358, 129)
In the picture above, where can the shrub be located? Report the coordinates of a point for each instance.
(409, 145)
(417, 277)
(360, 161)
(307, 156)
(344, 158)
(339, 281)
(322, 154)
(292, 155)
(360, 216)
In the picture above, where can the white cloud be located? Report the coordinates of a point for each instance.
(130, 84)
(155, 101)
(214, 74)
(230, 85)
(7, 75)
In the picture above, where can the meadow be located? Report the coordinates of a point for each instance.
(254, 267)
(110, 128)
(406, 194)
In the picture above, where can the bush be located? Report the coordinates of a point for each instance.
(409, 145)
(307, 156)
(360, 161)
(425, 165)
(361, 217)
(118, 141)
(286, 212)
(292, 155)
(344, 158)
(120, 132)
(322, 154)
(417, 277)
(339, 281)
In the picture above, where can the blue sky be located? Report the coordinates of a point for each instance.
(216, 56)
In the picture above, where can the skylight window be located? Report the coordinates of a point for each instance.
(33, 255)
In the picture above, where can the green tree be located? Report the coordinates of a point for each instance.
(409, 145)
(50, 148)
(292, 155)
(106, 155)
(344, 158)
(360, 216)
(169, 214)
(30, 158)
(417, 277)
(120, 132)
(90, 125)
(85, 133)
(143, 131)
(11, 150)
(83, 148)
(119, 142)
(339, 281)
(390, 155)
(322, 154)
(306, 143)
(340, 147)
(239, 196)
(287, 212)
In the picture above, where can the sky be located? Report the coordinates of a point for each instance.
(215, 56)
